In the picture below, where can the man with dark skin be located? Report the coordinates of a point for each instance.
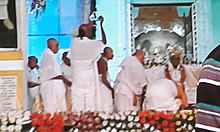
(103, 67)
(32, 81)
(175, 61)
(32, 63)
(84, 55)
(107, 90)
(179, 79)
(85, 30)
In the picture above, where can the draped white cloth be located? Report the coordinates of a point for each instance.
(52, 90)
(129, 82)
(33, 92)
(3, 9)
(106, 95)
(84, 54)
(155, 73)
(161, 94)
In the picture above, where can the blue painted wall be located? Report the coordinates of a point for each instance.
(113, 12)
(160, 1)
(216, 21)
(57, 21)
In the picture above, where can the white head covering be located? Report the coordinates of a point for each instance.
(155, 73)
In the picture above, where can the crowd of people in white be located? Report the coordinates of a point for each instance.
(82, 83)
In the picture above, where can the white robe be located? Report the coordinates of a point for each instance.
(106, 95)
(67, 72)
(52, 90)
(33, 92)
(84, 55)
(160, 96)
(3, 9)
(129, 82)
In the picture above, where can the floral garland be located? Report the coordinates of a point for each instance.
(14, 121)
(47, 123)
(142, 121)
(166, 121)
(39, 6)
(84, 121)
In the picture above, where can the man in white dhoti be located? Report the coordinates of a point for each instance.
(33, 82)
(107, 92)
(130, 82)
(67, 72)
(84, 54)
(52, 87)
(4, 14)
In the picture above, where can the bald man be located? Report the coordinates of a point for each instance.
(84, 54)
(52, 81)
(129, 83)
(107, 92)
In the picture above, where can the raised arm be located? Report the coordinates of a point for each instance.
(102, 30)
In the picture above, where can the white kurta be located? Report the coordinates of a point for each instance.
(52, 90)
(106, 95)
(190, 81)
(67, 72)
(33, 92)
(161, 94)
(84, 55)
(129, 82)
(3, 9)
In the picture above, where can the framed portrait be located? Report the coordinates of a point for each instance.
(8, 24)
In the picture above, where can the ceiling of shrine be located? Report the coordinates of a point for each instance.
(162, 17)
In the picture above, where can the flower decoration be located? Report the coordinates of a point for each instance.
(13, 121)
(162, 121)
(183, 120)
(47, 123)
(84, 121)
(122, 121)
(39, 6)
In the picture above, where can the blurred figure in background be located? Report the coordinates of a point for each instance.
(33, 82)
(67, 73)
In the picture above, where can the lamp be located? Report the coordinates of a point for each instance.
(183, 11)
